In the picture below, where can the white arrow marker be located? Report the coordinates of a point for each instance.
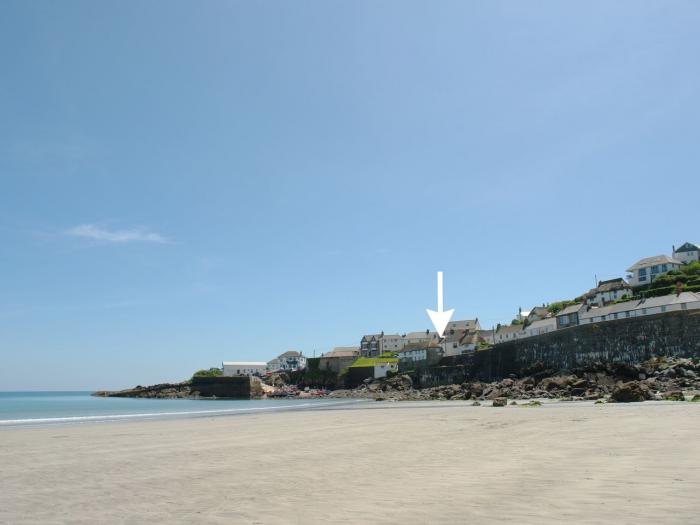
(440, 318)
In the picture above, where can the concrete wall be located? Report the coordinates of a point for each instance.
(231, 387)
(623, 341)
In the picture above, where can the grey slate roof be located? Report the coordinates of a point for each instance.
(570, 309)
(651, 261)
(688, 247)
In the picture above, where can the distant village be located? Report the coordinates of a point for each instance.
(653, 285)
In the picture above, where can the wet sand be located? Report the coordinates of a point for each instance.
(407, 463)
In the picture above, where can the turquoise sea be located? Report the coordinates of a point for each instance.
(48, 408)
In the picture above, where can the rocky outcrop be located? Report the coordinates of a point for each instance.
(162, 391)
(654, 379)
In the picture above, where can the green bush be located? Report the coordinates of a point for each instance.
(212, 372)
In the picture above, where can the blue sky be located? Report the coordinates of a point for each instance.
(187, 182)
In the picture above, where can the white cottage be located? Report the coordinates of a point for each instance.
(244, 368)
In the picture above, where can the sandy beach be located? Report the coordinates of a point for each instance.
(387, 463)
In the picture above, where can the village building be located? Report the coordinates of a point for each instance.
(421, 338)
(608, 292)
(374, 345)
(371, 367)
(287, 362)
(646, 270)
(417, 356)
(339, 358)
(539, 327)
(505, 333)
(466, 325)
(568, 317)
(637, 308)
(486, 336)
(244, 368)
(687, 253)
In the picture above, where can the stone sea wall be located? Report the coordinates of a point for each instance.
(630, 341)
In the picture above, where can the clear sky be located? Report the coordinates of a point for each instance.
(183, 183)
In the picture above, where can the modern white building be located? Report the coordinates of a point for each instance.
(646, 270)
(687, 253)
(650, 306)
(244, 368)
(287, 361)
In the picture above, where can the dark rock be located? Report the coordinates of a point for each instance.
(675, 395)
(631, 391)
(500, 402)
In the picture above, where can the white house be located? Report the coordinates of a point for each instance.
(687, 253)
(287, 361)
(646, 270)
(382, 368)
(541, 326)
(244, 368)
(506, 333)
(650, 306)
(608, 292)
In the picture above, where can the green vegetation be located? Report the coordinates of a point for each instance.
(212, 372)
(314, 377)
(373, 361)
(685, 279)
(696, 399)
(516, 322)
(558, 306)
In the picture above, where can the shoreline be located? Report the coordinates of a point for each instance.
(411, 462)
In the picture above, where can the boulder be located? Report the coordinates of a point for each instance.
(674, 395)
(500, 402)
(631, 391)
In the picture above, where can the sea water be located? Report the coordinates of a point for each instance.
(47, 408)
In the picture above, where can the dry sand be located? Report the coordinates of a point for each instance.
(407, 463)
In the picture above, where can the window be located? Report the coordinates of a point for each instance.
(684, 306)
(627, 314)
(664, 267)
(663, 308)
(614, 316)
(642, 277)
(642, 271)
(655, 269)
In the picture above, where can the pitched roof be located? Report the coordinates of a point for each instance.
(466, 324)
(420, 335)
(651, 302)
(570, 309)
(608, 286)
(538, 310)
(549, 321)
(651, 261)
(290, 353)
(688, 247)
(509, 328)
(343, 351)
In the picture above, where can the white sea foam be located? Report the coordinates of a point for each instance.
(112, 417)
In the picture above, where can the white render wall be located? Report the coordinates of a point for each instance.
(687, 257)
(233, 369)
